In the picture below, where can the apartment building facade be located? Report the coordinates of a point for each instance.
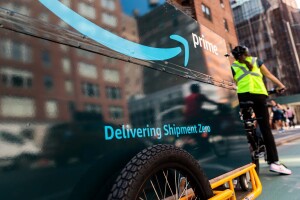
(60, 79)
(269, 29)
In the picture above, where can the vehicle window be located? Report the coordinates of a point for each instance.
(8, 137)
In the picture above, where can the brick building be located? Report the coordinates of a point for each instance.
(132, 72)
(214, 22)
(45, 81)
(268, 29)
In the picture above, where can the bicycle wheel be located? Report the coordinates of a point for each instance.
(253, 147)
(159, 172)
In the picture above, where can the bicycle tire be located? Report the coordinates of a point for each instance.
(254, 159)
(253, 144)
(154, 162)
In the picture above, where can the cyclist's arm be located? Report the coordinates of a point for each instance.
(209, 100)
(264, 70)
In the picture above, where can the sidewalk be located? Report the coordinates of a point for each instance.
(287, 136)
(280, 187)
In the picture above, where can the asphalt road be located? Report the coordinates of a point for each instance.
(282, 187)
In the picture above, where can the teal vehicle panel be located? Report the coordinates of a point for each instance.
(79, 99)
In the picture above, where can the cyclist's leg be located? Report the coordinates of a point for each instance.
(261, 112)
(252, 139)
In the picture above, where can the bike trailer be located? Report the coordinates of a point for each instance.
(116, 99)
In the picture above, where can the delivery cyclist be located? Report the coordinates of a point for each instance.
(248, 74)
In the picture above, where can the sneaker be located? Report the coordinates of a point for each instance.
(280, 168)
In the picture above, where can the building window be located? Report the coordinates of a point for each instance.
(93, 108)
(62, 24)
(230, 47)
(44, 17)
(66, 2)
(85, 54)
(111, 75)
(66, 65)
(116, 112)
(69, 87)
(222, 4)
(266, 38)
(16, 51)
(247, 43)
(71, 106)
(90, 89)
(64, 48)
(87, 10)
(225, 25)
(87, 70)
(113, 93)
(232, 2)
(46, 58)
(18, 8)
(269, 54)
(206, 12)
(109, 19)
(108, 4)
(109, 61)
(51, 109)
(17, 107)
(48, 82)
(16, 78)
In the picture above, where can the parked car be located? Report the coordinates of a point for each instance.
(79, 140)
(16, 151)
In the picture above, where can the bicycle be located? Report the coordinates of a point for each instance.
(256, 142)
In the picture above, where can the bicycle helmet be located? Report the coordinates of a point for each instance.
(195, 88)
(238, 51)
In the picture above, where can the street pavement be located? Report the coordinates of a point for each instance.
(282, 187)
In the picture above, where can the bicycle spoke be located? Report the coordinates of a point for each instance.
(154, 189)
(165, 187)
(185, 189)
(145, 194)
(161, 186)
(158, 185)
(178, 184)
(166, 178)
(176, 193)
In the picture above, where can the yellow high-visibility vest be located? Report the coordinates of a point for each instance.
(249, 81)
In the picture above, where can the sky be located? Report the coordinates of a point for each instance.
(141, 5)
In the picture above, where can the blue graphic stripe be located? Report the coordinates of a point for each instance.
(186, 47)
(111, 40)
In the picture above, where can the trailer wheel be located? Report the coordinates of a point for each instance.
(244, 181)
(159, 172)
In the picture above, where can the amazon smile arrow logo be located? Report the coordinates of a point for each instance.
(113, 41)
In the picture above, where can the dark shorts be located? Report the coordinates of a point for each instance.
(277, 116)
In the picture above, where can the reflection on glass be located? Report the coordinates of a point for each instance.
(57, 98)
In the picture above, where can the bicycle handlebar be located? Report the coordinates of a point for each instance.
(276, 90)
